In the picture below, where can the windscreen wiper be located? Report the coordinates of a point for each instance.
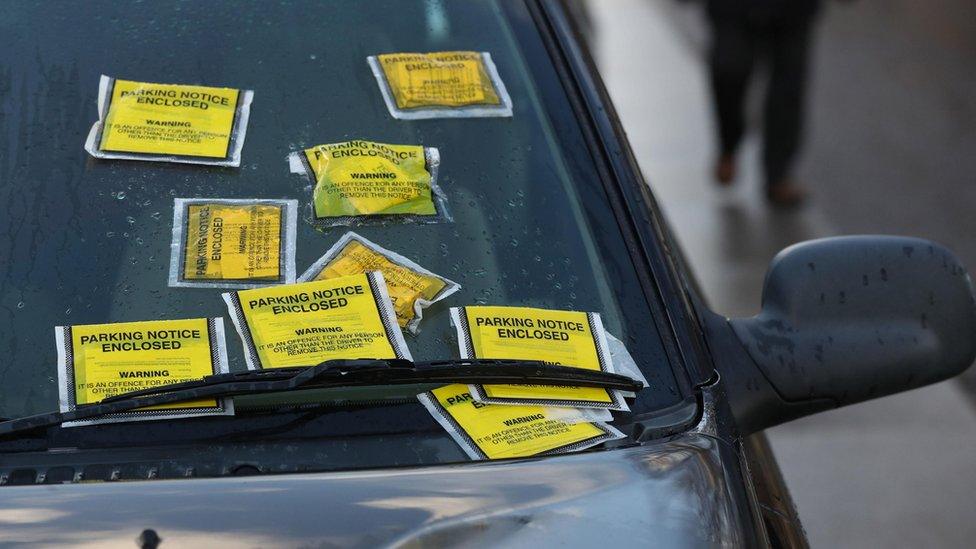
(334, 374)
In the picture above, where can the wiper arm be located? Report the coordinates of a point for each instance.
(333, 374)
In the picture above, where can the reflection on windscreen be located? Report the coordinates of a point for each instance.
(86, 241)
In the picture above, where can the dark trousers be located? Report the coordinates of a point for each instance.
(737, 46)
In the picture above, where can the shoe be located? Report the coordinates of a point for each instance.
(785, 194)
(725, 170)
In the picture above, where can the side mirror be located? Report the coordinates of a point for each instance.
(845, 320)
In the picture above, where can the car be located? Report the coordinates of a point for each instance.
(546, 208)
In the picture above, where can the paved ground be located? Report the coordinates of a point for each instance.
(892, 149)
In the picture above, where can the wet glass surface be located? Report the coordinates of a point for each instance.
(87, 241)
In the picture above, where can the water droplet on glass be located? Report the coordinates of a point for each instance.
(67, 311)
(537, 258)
(20, 305)
(479, 272)
(155, 215)
(120, 195)
(130, 219)
(513, 242)
(312, 57)
(110, 234)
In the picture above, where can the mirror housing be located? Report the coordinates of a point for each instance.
(845, 320)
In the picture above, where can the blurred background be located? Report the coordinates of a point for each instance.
(889, 147)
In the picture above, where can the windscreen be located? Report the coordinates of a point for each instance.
(522, 215)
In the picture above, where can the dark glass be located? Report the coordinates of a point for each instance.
(87, 241)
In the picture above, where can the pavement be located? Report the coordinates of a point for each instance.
(890, 149)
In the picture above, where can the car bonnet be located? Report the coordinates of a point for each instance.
(683, 492)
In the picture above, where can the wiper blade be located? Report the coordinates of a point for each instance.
(334, 374)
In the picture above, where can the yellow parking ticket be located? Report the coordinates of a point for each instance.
(224, 243)
(438, 79)
(171, 122)
(490, 431)
(412, 288)
(566, 338)
(304, 324)
(359, 180)
(440, 84)
(96, 361)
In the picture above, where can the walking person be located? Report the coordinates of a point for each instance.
(777, 33)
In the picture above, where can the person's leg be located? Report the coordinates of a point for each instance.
(784, 109)
(730, 62)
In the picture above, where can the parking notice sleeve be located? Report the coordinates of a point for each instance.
(304, 324)
(567, 338)
(442, 79)
(356, 178)
(170, 119)
(97, 361)
(490, 431)
(232, 243)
